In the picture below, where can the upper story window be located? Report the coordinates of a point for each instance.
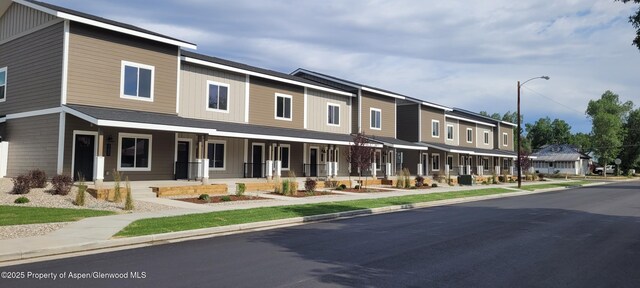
(216, 154)
(135, 152)
(505, 139)
(3, 84)
(217, 96)
(333, 117)
(283, 106)
(137, 81)
(376, 119)
(469, 135)
(435, 128)
(486, 137)
(449, 132)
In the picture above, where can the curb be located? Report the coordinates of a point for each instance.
(174, 237)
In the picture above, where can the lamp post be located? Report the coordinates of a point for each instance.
(519, 131)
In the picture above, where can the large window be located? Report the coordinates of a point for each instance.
(435, 162)
(486, 137)
(505, 139)
(435, 128)
(3, 83)
(135, 152)
(216, 154)
(333, 117)
(469, 135)
(449, 132)
(376, 119)
(283, 107)
(285, 156)
(137, 81)
(217, 96)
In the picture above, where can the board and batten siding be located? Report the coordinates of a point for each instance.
(95, 64)
(194, 98)
(480, 129)
(262, 103)
(388, 121)
(34, 70)
(33, 144)
(20, 19)
(509, 131)
(429, 114)
(317, 111)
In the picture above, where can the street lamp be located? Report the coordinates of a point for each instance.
(519, 137)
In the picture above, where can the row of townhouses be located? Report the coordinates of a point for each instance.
(84, 95)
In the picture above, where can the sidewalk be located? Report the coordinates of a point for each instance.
(96, 232)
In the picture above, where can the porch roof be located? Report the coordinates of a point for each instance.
(471, 151)
(111, 117)
(397, 143)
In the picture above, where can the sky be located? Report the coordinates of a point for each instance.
(466, 54)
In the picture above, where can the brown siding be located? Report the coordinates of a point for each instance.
(34, 70)
(429, 114)
(95, 63)
(463, 134)
(33, 144)
(262, 103)
(388, 107)
(407, 123)
(509, 131)
(20, 19)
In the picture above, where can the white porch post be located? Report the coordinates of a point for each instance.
(4, 158)
(388, 170)
(480, 170)
(420, 169)
(99, 170)
(278, 168)
(373, 169)
(269, 169)
(468, 169)
(329, 166)
(205, 171)
(446, 169)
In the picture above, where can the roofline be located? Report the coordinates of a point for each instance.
(107, 26)
(262, 75)
(508, 123)
(470, 120)
(436, 106)
(393, 95)
(350, 84)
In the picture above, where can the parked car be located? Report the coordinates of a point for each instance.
(599, 170)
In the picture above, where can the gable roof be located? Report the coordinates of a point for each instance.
(97, 21)
(559, 152)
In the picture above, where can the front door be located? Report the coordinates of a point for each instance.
(182, 161)
(425, 164)
(313, 162)
(256, 159)
(83, 157)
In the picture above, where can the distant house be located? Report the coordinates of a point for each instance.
(560, 158)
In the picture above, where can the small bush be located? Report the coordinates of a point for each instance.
(225, 198)
(21, 184)
(38, 179)
(61, 184)
(82, 188)
(128, 201)
(277, 184)
(400, 180)
(434, 185)
(117, 194)
(541, 176)
(330, 184)
(343, 186)
(419, 181)
(339, 188)
(204, 197)
(240, 189)
(286, 187)
(310, 185)
(407, 177)
(357, 187)
(21, 200)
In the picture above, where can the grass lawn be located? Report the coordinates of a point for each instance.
(231, 217)
(553, 185)
(13, 215)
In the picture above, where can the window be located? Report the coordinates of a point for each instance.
(505, 139)
(469, 135)
(333, 117)
(435, 162)
(376, 119)
(216, 154)
(435, 128)
(486, 137)
(135, 152)
(217, 96)
(285, 151)
(3, 84)
(137, 81)
(378, 159)
(485, 164)
(283, 106)
(449, 132)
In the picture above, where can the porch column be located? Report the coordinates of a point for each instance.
(304, 159)
(373, 169)
(205, 161)
(269, 162)
(99, 178)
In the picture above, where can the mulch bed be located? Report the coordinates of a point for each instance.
(218, 199)
(302, 193)
(413, 188)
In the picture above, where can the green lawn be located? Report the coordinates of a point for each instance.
(14, 215)
(553, 185)
(223, 218)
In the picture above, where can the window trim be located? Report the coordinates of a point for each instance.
(224, 154)
(135, 136)
(275, 105)
(469, 134)
(6, 76)
(505, 139)
(434, 156)
(137, 65)
(329, 104)
(370, 118)
(288, 158)
(206, 96)
(486, 137)
(453, 131)
(433, 134)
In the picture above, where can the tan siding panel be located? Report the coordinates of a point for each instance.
(429, 114)
(463, 134)
(388, 107)
(20, 19)
(262, 103)
(34, 70)
(456, 132)
(33, 144)
(509, 131)
(234, 158)
(317, 111)
(95, 63)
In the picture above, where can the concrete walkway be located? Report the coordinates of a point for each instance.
(101, 229)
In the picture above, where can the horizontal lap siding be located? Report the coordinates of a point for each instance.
(456, 132)
(95, 63)
(388, 121)
(463, 134)
(480, 135)
(34, 70)
(262, 103)
(509, 132)
(234, 158)
(429, 114)
(33, 144)
(317, 111)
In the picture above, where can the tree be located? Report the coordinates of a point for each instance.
(561, 132)
(607, 116)
(544, 132)
(360, 153)
(635, 22)
(630, 154)
(582, 141)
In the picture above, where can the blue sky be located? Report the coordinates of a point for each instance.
(456, 53)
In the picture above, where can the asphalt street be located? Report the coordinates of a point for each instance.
(586, 237)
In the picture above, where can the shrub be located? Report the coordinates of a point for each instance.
(343, 186)
(339, 188)
(331, 184)
(38, 179)
(21, 200)
(357, 187)
(117, 194)
(204, 197)
(82, 188)
(128, 201)
(541, 176)
(61, 184)
(277, 184)
(407, 177)
(310, 185)
(419, 181)
(225, 198)
(240, 189)
(434, 185)
(286, 187)
(21, 184)
(400, 180)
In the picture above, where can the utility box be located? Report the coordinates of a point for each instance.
(465, 180)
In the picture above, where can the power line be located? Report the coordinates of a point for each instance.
(554, 101)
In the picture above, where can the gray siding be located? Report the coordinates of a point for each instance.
(480, 129)
(234, 158)
(429, 114)
(34, 70)
(33, 144)
(463, 134)
(20, 19)
(456, 132)
(194, 98)
(317, 111)
(388, 107)
(407, 123)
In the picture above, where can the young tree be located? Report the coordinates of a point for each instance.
(607, 117)
(360, 153)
